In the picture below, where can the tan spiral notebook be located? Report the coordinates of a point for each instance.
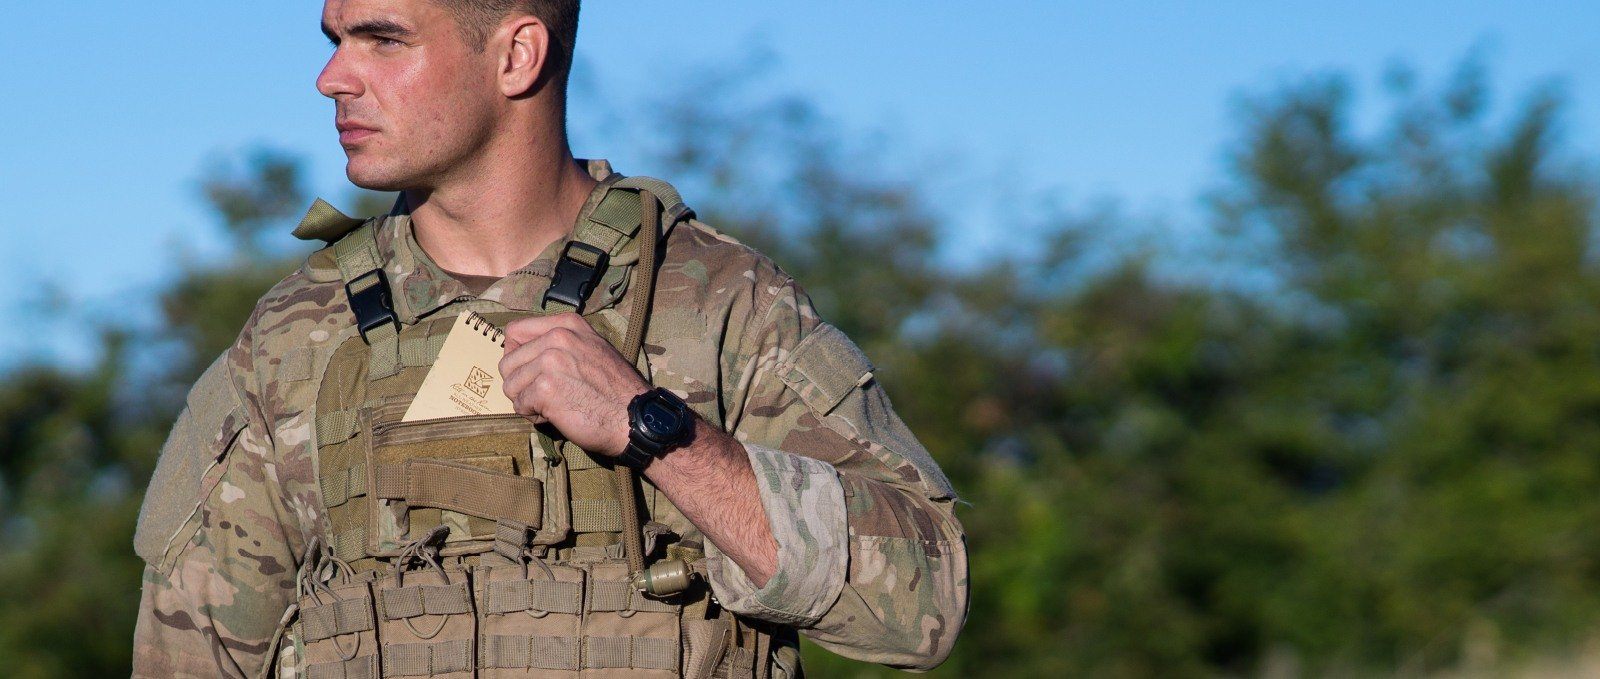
(465, 379)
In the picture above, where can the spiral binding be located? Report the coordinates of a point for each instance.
(482, 325)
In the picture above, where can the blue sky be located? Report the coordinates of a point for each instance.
(111, 109)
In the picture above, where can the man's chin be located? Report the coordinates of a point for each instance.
(371, 178)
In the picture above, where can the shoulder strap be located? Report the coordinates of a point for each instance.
(367, 290)
(607, 231)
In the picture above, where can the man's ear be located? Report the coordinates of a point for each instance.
(525, 55)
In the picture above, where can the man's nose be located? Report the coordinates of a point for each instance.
(336, 78)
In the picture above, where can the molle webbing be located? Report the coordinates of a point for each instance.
(427, 659)
(340, 617)
(410, 602)
(551, 596)
(523, 652)
(363, 667)
(630, 652)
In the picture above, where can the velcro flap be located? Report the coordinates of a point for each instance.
(825, 367)
(473, 491)
(201, 437)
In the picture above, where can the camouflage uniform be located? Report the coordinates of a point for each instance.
(871, 560)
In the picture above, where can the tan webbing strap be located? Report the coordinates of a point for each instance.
(363, 667)
(469, 490)
(612, 223)
(596, 516)
(357, 254)
(739, 662)
(704, 643)
(553, 596)
(577, 460)
(351, 544)
(641, 653)
(336, 426)
(340, 617)
(422, 660)
(410, 602)
(673, 209)
(421, 351)
(621, 596)
(543, 653)
(340, 485)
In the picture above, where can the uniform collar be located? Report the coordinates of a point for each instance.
(420, 286)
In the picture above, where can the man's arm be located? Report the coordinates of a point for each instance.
(822, 510)
(557, 369)
(872, 561)
(220, 565)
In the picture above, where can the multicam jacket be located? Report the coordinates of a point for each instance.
(871, 560)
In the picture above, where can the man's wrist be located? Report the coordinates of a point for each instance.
(658, 422)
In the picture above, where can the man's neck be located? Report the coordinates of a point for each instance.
(502, 215)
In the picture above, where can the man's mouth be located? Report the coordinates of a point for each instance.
(351, 133)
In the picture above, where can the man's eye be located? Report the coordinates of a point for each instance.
(386, 42)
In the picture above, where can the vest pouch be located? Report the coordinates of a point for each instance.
(529, 619)
(426, 621)
(465, 473)
(625, 633)
(336, 635)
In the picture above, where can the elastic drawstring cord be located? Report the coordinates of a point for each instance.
(422, 548)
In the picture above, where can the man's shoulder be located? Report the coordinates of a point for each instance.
(707, 268)
(303, 306)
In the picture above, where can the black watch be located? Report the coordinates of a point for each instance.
(658, 421)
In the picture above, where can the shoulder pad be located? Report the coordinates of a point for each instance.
(325, 222)
(321, 267)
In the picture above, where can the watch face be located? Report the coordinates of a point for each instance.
(659, 419)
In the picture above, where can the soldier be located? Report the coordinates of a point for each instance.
(698, 468)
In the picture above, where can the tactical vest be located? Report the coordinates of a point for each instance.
(484, 546)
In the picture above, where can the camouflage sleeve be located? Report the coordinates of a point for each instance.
(872, 561)
(214, 536)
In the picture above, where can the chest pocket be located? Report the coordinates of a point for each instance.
(483, 477)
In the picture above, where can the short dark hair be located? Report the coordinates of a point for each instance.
(478, 17)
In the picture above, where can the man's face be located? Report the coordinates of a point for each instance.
(413, 100)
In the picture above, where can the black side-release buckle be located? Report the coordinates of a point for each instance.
(574, 280)
(372, 305)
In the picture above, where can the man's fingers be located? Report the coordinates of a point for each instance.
(525, 330)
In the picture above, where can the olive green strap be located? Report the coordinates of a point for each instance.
(361, 266)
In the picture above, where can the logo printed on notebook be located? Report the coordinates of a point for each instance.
(478, 382)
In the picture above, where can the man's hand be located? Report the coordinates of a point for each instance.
(557, 369)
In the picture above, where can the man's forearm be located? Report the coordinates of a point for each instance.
(711, 481)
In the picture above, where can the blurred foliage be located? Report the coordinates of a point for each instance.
(1378, 458)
